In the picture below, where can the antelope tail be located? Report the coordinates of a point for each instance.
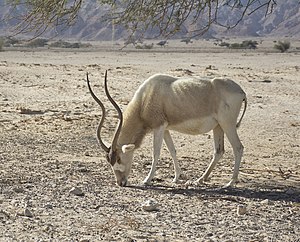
(245, 107)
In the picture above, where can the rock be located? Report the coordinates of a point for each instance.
(86, 153)
(48, 205)
(150, 205)
(18, 189)
(265, 201)
(241, 209)
(82, 169)
(66, 117)
(76, 191)
(26, 212)
(30, 111)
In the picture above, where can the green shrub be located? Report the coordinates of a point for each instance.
(235, 46)
(246, 44)
(64, 44)
(224, 44)
(249, 44)
(37, 43)
(1, 44)
(10, 41)
(144, 47)
(282, 46)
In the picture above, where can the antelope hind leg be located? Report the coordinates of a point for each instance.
(218, 153)
(170, 145)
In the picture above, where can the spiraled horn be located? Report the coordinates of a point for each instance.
(104, 147)
(120, 115)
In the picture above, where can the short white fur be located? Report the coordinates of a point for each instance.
(189, 105)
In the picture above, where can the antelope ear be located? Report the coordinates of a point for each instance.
(127, 148)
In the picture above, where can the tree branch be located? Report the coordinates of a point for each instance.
(138, 16)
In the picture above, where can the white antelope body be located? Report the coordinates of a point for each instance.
(188, 105)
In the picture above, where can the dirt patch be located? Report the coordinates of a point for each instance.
(49, 148)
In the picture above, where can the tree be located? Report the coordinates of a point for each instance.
(39, 15)
(165, 16)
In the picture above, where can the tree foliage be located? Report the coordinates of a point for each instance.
(168, 16)
(39, 15)
(165, 16)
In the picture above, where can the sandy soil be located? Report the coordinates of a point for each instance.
(48, 146)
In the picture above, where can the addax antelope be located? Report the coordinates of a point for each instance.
(188, 105)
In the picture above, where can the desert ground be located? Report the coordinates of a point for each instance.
(56, 185)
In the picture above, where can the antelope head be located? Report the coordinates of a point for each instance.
(119, 157)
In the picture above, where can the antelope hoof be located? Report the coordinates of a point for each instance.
(192, 183)
(147, 182)
(201, 180)
(176, 179)
(230, 184)
(196, 183)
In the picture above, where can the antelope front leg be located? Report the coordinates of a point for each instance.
(158, 135)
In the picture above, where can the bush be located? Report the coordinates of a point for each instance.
(224, 44)
(282, 46)
(64, 44)
(246, 44)
(235, 46)
(144, 47)
(249, 44)
(1, 44)
(37, 43)
(10, 41)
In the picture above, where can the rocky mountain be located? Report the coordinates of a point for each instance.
(90, 25)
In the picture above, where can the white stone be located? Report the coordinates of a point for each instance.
(150, 205)
(76, 191)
